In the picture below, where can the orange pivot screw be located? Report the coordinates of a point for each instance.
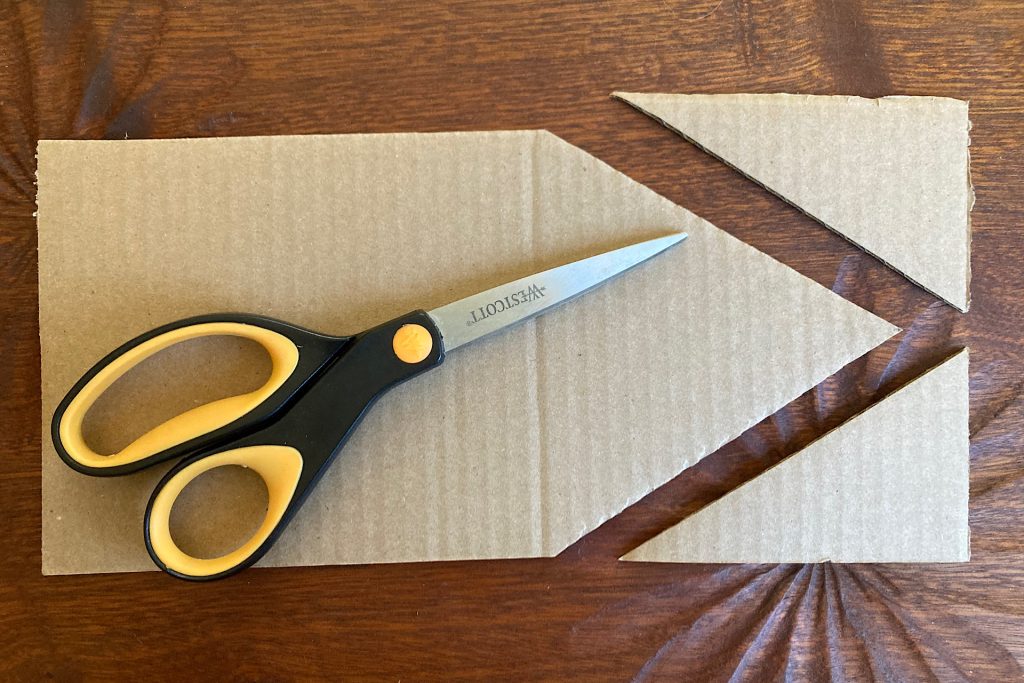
(412, 343)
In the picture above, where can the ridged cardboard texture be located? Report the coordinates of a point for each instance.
(891, 174)
(517, 445)
(889, 485)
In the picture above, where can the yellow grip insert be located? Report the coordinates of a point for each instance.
(284, 356)
(280, 467)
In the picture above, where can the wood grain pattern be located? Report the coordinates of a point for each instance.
(117, 69)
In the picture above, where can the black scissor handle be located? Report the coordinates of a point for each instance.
(293, 450)
(296, 354)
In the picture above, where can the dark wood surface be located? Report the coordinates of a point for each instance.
(116, 70)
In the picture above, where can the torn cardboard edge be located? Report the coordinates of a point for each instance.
(956, 295)
(897, 474)
(519, 444)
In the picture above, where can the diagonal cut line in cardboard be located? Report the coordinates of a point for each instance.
(892, 175)
(519, 444)
(889, 485)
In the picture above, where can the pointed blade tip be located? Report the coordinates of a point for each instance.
(670, 240)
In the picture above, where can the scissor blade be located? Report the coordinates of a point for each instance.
(482, 314)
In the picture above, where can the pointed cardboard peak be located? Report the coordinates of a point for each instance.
(518, 444)
(891, 175)
(889, 485)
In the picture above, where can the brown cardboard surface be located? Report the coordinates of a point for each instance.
(891, 175)
(516, 446)
(889, 485)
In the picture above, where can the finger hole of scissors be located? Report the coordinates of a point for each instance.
(278, 466)
(187, 374)
(193, 423)
(218, 511)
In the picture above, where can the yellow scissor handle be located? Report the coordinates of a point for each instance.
(280, 468)
(284, 355)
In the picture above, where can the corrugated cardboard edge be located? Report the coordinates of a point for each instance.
(625, 97)
(654, 550)
(970, 209)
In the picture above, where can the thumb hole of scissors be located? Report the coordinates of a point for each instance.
(218, 511)
(173, 381)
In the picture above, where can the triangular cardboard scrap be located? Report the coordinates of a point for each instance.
(891, 175)
(516, 446)
(889, 485)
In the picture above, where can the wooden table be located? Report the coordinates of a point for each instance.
(111, 70)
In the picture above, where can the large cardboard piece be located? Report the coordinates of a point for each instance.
(889, 485)
(891, 175)
(517, 445)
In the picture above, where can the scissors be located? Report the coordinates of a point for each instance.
(290, 430)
